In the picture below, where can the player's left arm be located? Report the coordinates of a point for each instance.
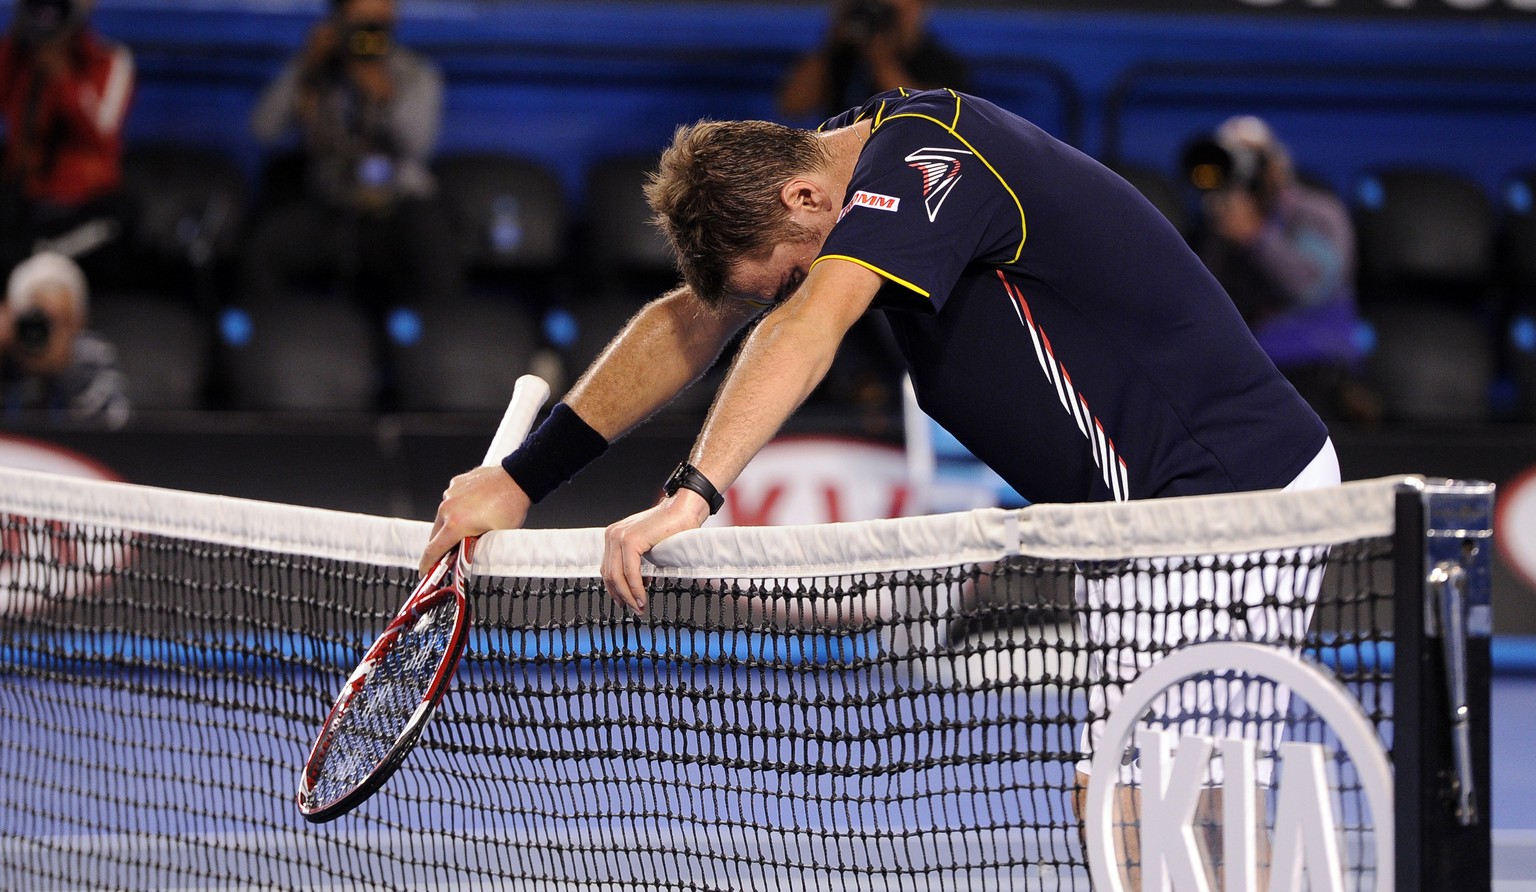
(778, 366)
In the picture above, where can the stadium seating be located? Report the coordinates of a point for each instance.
(1423, 235)
(464, 356)
(508, 213)
(624, 243)
(1518, 268)
(189, 206)
(163, 346)
(1426, 252)
(1431, 363)
(300, 354)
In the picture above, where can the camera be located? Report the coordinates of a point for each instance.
(33, 329)
(863, 19)
(366, 40)
(1212, 165)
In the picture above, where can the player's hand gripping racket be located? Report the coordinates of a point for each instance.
(386, 702)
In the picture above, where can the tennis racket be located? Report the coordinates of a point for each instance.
(388, 699)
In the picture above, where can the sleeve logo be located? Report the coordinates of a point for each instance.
(874, 200)
(941, 171)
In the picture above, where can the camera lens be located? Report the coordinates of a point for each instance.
(33, 329)
(1207, 165)
(368, 40)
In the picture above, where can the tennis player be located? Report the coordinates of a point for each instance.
(1051, 318)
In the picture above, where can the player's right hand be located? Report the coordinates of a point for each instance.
(475, 502)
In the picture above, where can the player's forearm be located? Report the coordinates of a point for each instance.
(667, 346)
(779, 365)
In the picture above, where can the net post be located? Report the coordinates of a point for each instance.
(1442, 625)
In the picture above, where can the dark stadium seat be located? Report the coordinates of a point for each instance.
(1431, 363)
(1517, 253)
(283, 179)
(624, 242)
(509, 213)
(163, 347)
(1158, 189)
(464, 356)
(300, 354)
(1423, 234)
(189, 204)
(1517, 275)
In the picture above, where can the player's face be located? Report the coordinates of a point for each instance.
(771, 279)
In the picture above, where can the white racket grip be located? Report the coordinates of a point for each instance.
(528, 397)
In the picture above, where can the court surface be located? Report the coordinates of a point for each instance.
(165, 794)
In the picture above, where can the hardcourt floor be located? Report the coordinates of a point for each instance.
(1514, 784)
(1513, 789)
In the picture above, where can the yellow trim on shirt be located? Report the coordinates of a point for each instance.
(874, 269)
(950, 129)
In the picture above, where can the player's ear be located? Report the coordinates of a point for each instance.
(801, 194)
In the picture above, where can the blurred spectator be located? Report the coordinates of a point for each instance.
(64, 92)
(1285, 252)
(368, 113)
(49, 361)
(872, 46)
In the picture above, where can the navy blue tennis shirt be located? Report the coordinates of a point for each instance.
(1052, 319)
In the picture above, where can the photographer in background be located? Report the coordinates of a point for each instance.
(1285, 252)
(872, 46)
(64, 92)
(368, 113)
(49, 362)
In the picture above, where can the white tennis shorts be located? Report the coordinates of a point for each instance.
(1131, 620)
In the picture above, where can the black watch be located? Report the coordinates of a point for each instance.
(688, 477)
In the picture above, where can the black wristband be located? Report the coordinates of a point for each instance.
(562, 445)
(688, 477)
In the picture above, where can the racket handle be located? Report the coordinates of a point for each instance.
(528, 396)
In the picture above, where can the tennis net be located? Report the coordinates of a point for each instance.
(888, 704)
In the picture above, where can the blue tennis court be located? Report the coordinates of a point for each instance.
(447, 806)
(515, 776)
(1514, 783)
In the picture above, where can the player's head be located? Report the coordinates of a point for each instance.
(35, 281)
(46, 304)
(717, 196)
(1253, 134)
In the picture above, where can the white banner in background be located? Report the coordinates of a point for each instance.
(796, 480)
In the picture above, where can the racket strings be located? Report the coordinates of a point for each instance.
(381, 709)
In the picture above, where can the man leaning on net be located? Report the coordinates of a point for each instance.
(1050, 318)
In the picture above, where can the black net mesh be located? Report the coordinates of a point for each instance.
(911, 729)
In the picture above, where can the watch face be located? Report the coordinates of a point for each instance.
(675, 482)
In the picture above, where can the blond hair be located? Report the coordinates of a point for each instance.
(716, 195)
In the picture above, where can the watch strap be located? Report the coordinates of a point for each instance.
(688, 477)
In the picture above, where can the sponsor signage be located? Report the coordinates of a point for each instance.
(1514, 527)
(875, 200)
(65, 563)
(796, 480)
(1174, 774)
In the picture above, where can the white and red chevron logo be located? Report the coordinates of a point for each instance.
(1116, 475)
(941, 171)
